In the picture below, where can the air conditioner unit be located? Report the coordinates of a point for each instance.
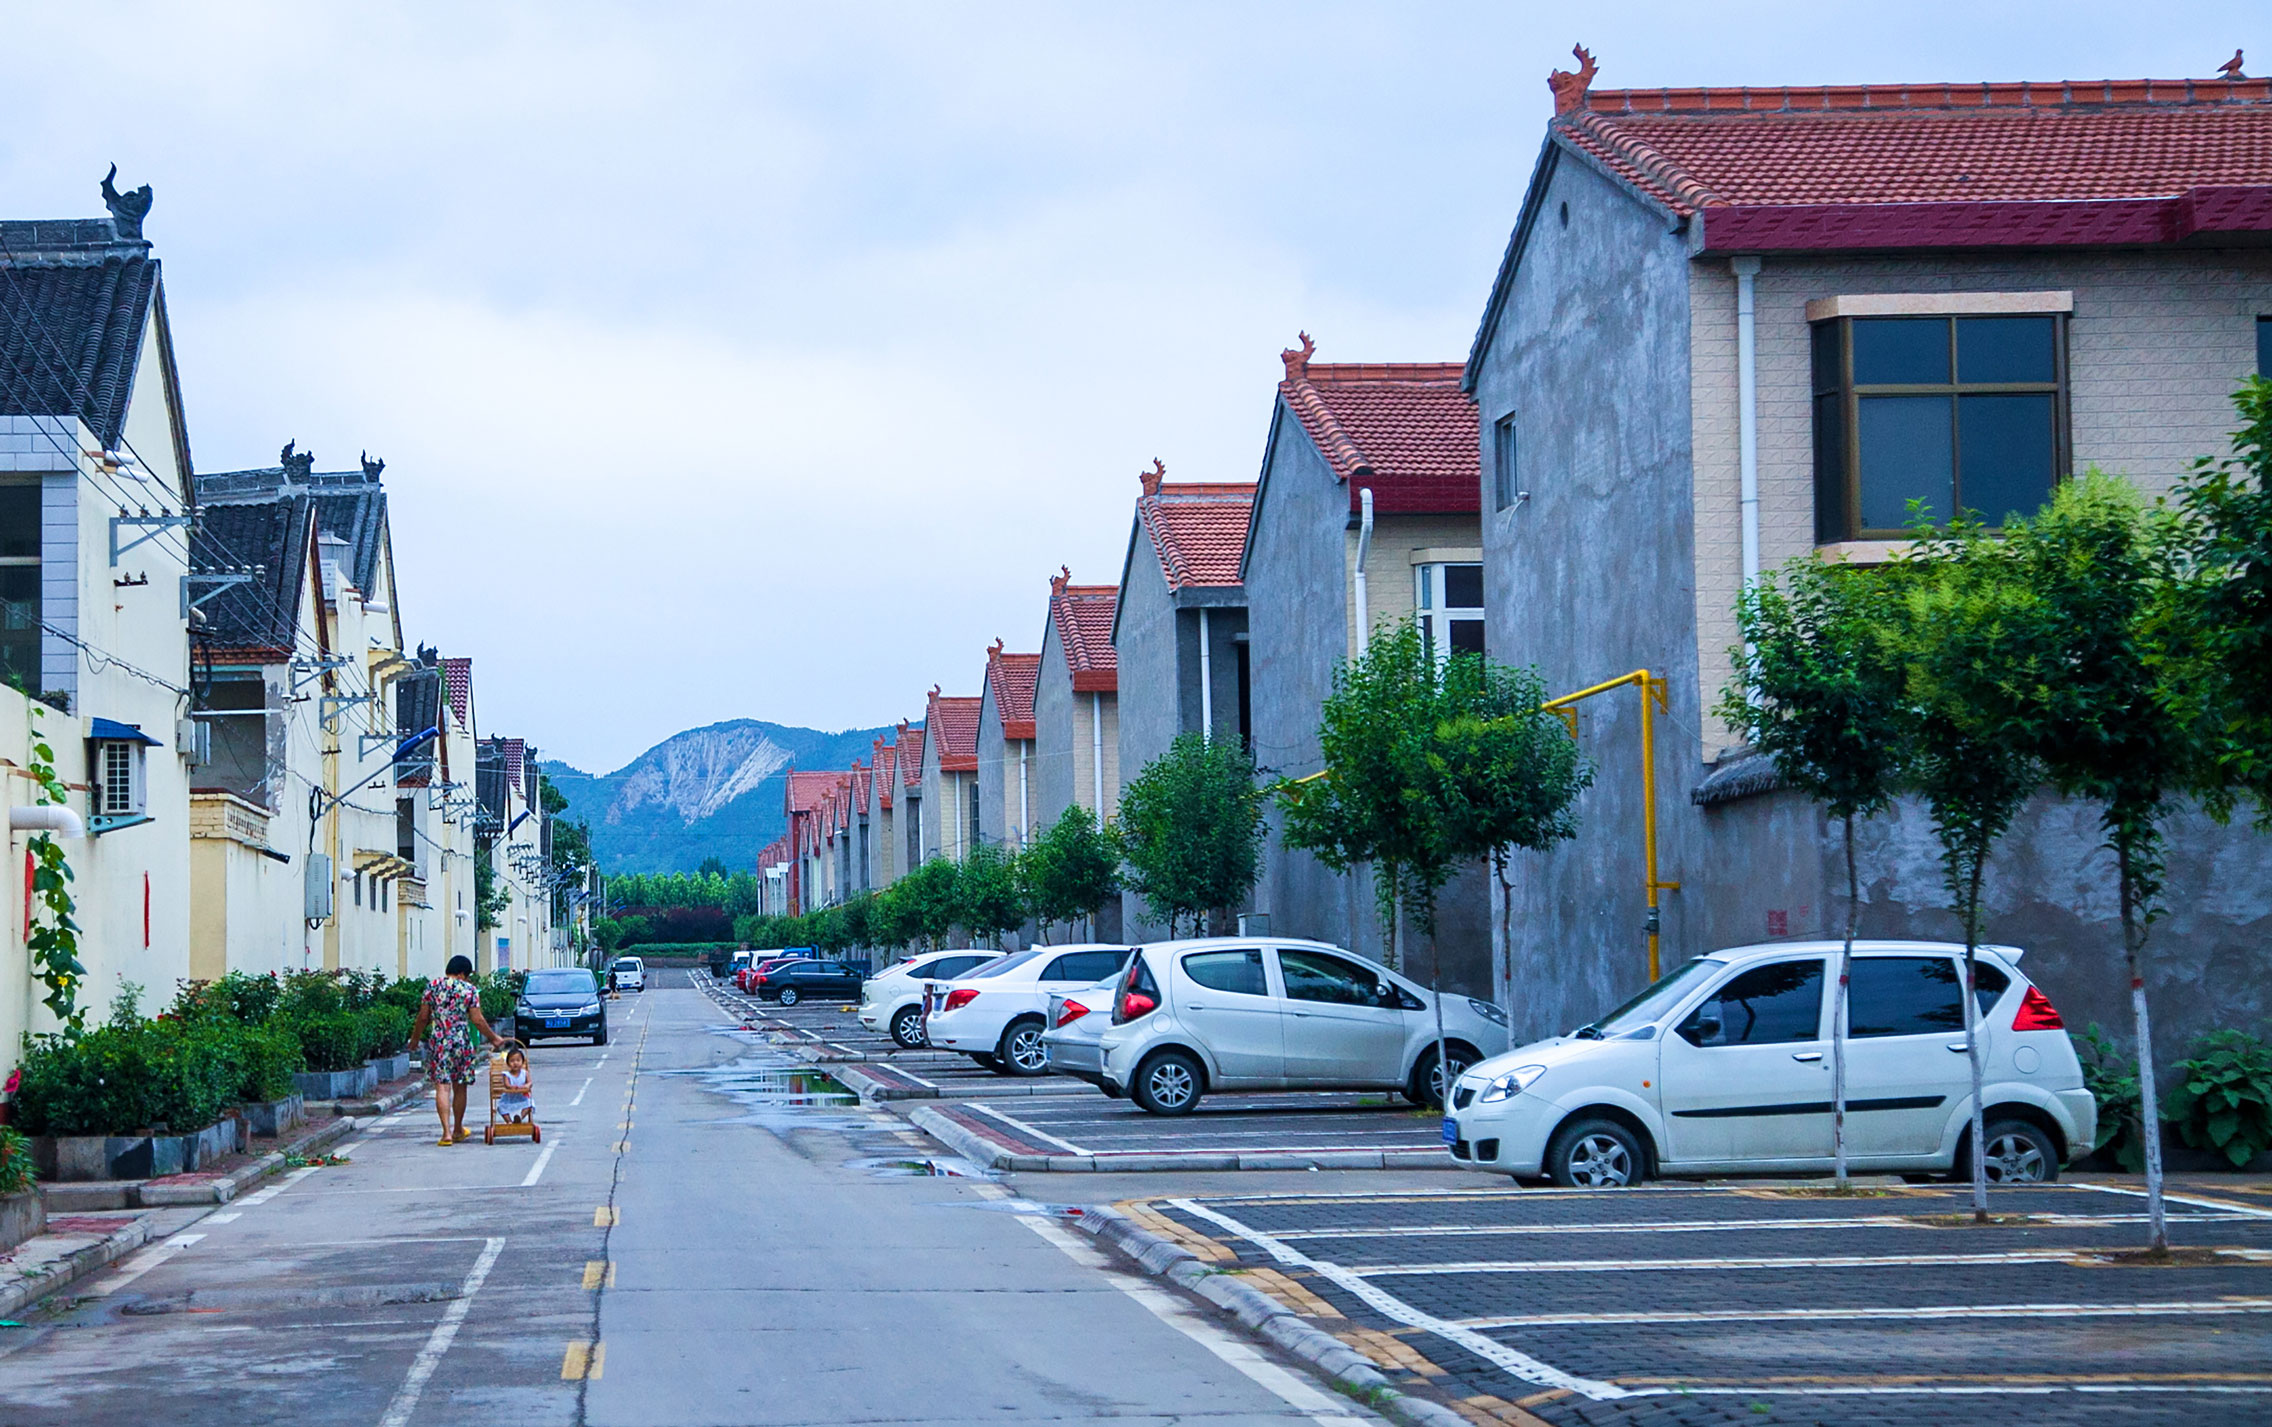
(319, 886)
(194, 737)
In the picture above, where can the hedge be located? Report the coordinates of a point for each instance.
(134, 1077)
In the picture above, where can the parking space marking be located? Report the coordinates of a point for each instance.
(2248, 1211)
(1779, 1261)
(1519, 1364)
(1025, 1129)
(2214, 1307)
(438, 1342)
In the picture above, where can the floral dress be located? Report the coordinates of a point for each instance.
(449, 1030)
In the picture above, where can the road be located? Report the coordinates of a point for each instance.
(688, 1246)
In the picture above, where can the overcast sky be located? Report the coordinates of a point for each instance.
(755, 361)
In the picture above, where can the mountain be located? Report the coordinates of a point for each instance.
(707, 792)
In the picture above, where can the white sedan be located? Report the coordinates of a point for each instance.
(1077, 1021)
(892, 999)
(997, 1014)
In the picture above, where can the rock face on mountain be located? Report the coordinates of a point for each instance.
(707, 792)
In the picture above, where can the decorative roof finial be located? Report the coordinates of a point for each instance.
(934, 691)
(994, 650)
(1151, 479)
(1060, 580)
(1570, 89)
(296, 467)
(2230, 69)
(1297, 360)
(372, 468)
(127, 210)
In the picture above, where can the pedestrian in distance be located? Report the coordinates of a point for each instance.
(447, 1019)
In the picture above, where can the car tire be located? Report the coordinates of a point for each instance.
(907, 1028)
(1595, 1154)
(1020, 1050)
(2019, 1152)
(1420, 1087)
(985, 1058)
(789, 996)
(600, 1037)
(1169, 1082)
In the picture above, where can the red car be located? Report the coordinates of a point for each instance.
(745, 980)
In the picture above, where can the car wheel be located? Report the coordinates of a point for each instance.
(1594, 1154)
(1425, 1088)
(2018, 1153)
(600, 1037)
(1168, 1083)
(907, 1027)
(788, 995)
(985, 1058)
(1021, 1051)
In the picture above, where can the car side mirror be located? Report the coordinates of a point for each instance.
(1701, 1030)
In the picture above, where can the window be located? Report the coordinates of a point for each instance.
(1767, 1005)
(972, 788)
(2264, 346)
(1449, 604)
(1239, 973)
(914, 817)
(1956, 412)
(1315, 976)
(19, 586)
(1504, 491)
(947, 967)
(118, 779)
(1914, 995)
(1085, 966)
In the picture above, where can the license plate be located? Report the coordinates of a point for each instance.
(556, 1023)
(1451, 1130)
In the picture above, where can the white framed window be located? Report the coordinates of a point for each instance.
(1447, 601)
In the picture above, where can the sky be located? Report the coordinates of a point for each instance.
(757, 361)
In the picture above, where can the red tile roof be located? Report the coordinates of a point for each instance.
(1082, 616)
(808, 791)
(516, 752)
(953, 721)
(910, 754)
(887, 769)
(457, 677)
(1012, 677)
(2102, 162)
(1198, 529)
(1404, 429)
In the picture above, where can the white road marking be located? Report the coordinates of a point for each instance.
(1318, 1406)
(1521, 1365)
(1025, 1129)
(254, 1200)
(430, 1357)
(543, 1158)
(580, 1091)
(142, 1263)
(2218, 1307)
(1806, 1261)
(1687, 1226)
(229, 1218)
(2241, 1210)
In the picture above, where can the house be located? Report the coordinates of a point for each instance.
(950, 776)
(516, 835)
(879, 846)
(805, 794)
(1179, 632)
(1005, 749)
(913, 849)
(94, 647)
(1737, 326)
(1365, 514)
(1075, 703)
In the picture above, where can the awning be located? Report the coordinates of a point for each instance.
(110, 730)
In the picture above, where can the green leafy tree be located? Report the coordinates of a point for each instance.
(1815, 692)
(858, 911)
(928, 900)
(989, 900)
(711, 867)
(1070, 870)
(1190, 829)
(2227, 502)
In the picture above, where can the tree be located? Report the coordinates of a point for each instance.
(1816, 694)
(1191, 830)
(711, 867)
(1070, 870)
(2227, 503)
(926, 900)
(988, 900)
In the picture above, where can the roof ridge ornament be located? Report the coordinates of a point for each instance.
(296, 467)
(371, 468)
(1297, 360)
(2230, 69)
(128, 209)
(1060, 580)
(1570, 88)
(1152, 478)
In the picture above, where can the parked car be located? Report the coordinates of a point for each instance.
(805, 979)
(1725, 1065)
(1233, 1013)
(997, 1014)
(628, 973)
(1077, 1021)
(563, 1001)
(724, 965)
(892, 999)
(765, 961)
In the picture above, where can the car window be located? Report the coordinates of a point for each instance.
(1766, 1005)
(1661, 996)
(630, 963)
(560, 983)
(1915, 995)
(954, 965)
(1237, 972)
(1007, 963)
(1316, 976)
(1085, 966)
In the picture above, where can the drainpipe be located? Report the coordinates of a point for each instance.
(1096, 749)
(1364, 549)
(1206, 682)
(1747, 410)
(1025, 808)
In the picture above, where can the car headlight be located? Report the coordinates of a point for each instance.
(1513, 1083)
(1487, 1011)
(522, 1008)
(590, 1008)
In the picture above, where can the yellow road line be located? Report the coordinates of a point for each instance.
(583, 1362)
(598, 1272)
(607, 1216)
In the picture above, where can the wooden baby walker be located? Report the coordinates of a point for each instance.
(506, 1129)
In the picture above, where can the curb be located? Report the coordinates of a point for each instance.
(1349, 1369)
(153, 1195)
(971, 1146)
(72, 1267)
(365, 1109)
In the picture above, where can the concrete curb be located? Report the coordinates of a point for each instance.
(72, 1267)
(973, 1147)
(365, 1109)
(152, 1195)
(1348, 1368)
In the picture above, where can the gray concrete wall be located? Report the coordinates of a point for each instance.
(993, 826)
(1054, 708)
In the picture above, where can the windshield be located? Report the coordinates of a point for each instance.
(1651, 1005)
(629, 963)
(996, 968)
(560, 983)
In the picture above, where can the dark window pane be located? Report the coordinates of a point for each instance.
(1467, 636)
(1905, 456)
(1767, 1005)
(1503, 462)
(1314, 976)
(2007, 448)
(1237, 972)
(947, 966)
(1826, 375)
(19, 521)
(1903, 996)
(1083, 966)
(2264, 346)
(2004, 349)
(1463, 587)
(1831, 518)
(1989, 984)
(1900, 350)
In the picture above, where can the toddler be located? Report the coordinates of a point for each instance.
(514, 1105)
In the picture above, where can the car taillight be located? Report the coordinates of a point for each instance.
(960, 997)
(1133, 1005)
(1071, 1012)
(760, 981)
(2037, 1013)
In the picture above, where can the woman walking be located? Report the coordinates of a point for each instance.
(447, 1019)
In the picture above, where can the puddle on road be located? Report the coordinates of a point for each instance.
(935, 1167)
(777, 1092)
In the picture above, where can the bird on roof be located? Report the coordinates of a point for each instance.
(2230, 69)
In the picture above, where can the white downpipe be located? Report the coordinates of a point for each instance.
(50, 817)
(1364, 550)
(1096, 749)
(1747, 408)
(1206, 682)
(1025, 808)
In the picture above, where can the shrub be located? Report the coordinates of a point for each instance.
(2224, 1101)
(15, 1162)
(269, 1055)
(331, 1040)
(310, 993)
(406, 993)
(385, 1030)
(130, 1078)
(2111, 1076)
(360, 990)
(499, 991)
(196, 1073)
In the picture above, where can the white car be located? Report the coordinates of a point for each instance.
(1725, 1065)
(629, 973)
(1232, 1013)
(996, 1014)
(1077, 1021)
(892, 1000)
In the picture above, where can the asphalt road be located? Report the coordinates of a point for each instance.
(695, 1242)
